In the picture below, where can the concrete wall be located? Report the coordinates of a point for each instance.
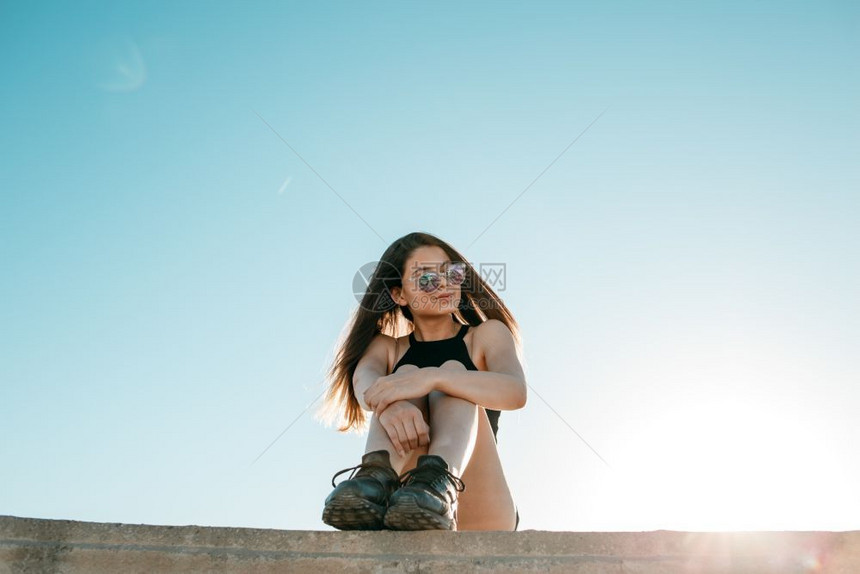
(61, 546)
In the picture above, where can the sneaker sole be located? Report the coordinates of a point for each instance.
(407, 515)
(351, 512)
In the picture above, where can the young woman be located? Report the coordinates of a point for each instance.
(435, 394)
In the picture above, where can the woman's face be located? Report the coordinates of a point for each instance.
(441, 301)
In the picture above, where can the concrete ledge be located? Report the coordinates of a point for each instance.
(63, 546)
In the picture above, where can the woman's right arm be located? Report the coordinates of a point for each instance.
(403, 421)
(372, 365)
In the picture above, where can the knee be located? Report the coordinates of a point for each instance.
(438, 397)
(453, 364)
(405, 368)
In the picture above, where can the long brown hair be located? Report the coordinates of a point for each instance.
(378, 313)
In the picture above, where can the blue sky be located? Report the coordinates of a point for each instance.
(188, 190)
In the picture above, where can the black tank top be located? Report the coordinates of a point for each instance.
(434, 353)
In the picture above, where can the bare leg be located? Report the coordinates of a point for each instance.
(460, 433)
(360, 502)
(490, 506)
(454, 426)
(377, 437)
(423, 503)
(471, 450)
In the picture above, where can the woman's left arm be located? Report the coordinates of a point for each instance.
(501, 387)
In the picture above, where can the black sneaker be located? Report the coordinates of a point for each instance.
(427, 497)
(360, 502)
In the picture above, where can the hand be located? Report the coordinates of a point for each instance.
(404, 422)
(410, 384)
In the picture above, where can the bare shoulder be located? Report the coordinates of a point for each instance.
(382, 348)
(382, 339)
(492, 334)
(493, 330)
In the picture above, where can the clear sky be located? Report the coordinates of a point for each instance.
(188, 189)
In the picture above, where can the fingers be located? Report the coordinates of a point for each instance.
(371, 394)
(397, 436)
(376, 401)
(405, 426)
(411, 434)
(422, 431)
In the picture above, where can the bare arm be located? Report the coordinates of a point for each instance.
(372, 365)
(403, 421)
(502, 386)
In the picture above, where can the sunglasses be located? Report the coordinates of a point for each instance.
(454, 275)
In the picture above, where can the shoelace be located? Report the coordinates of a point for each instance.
(429, 473)
(354, 470)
